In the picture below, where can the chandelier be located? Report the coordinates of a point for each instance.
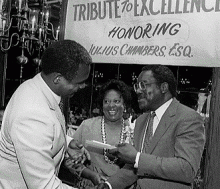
(26, 23)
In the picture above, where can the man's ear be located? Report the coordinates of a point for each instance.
(56, 78)
(164, 87)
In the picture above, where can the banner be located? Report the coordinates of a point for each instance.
(169, 32)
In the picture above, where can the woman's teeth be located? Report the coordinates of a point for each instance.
(112, 112)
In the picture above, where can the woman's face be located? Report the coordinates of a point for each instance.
(113, 105)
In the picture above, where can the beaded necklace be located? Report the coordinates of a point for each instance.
(105, 141)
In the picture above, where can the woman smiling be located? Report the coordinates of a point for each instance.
(109, 128)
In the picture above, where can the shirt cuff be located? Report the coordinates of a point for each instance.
(68, 140)
(137, 160)
(109, 185)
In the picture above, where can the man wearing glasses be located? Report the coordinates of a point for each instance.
(168, 138)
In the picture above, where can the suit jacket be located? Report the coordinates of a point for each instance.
(173, 157)
(33, 139)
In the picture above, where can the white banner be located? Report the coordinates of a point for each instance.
(169, 32)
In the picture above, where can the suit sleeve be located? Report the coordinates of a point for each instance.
(32, 137)
(188, 148)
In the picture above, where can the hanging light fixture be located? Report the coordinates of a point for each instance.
(27, 26)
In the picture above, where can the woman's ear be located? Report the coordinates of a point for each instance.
(125, 110)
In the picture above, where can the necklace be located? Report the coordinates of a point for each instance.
(105, 141)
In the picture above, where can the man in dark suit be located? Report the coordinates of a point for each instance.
(168, 157)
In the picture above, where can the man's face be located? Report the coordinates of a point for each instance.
(151, 97)
(68, 88)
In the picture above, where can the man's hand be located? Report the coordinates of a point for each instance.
(125, 152)
(77, 153)
(75, 169)
(95, 178)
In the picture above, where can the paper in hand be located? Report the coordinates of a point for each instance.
(97, 144)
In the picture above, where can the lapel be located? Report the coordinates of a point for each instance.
(52, 103)
(165, 122)
(60, 116)
(140, 127)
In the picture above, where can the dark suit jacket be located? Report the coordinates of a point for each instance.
(173, 157)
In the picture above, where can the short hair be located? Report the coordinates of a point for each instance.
(64, 57)
(118, 86)
(163, 74)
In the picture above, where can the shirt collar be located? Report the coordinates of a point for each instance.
(160, 111)
(57, 98)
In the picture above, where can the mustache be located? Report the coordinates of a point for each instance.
(140, 96)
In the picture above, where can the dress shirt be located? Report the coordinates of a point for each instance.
(159, 113)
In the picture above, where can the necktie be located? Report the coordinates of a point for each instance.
(61, 105)
(149, 132)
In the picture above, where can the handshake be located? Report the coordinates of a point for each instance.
(77, 156)
(75, 159)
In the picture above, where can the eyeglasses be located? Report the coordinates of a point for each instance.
(142, 85)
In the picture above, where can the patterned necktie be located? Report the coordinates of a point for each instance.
(149, 132)
(61, 105)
